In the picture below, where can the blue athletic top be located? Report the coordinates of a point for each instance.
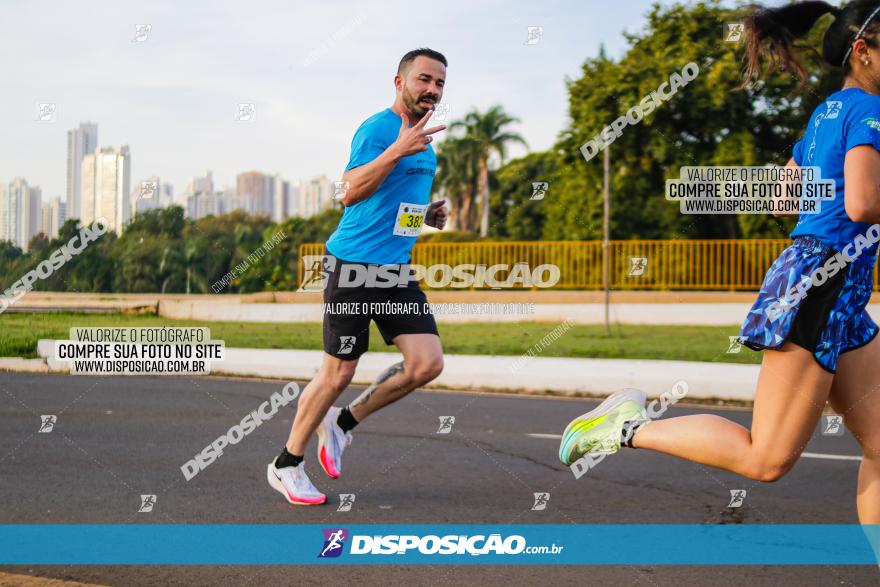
(847, 119)
(384, 227)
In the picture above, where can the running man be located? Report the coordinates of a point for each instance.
(389, 177)
(824, 348)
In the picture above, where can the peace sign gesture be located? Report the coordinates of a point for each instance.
(415, 139)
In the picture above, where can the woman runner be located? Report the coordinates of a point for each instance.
(819, 344)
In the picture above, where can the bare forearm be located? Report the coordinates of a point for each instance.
(363, 181)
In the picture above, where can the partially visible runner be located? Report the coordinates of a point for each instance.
(823, 349)
(389, 177)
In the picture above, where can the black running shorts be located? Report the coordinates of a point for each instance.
(354, 295)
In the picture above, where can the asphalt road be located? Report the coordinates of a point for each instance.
(116, 438)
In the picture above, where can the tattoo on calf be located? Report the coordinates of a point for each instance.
(384, 376)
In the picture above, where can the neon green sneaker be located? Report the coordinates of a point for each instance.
(601, 430)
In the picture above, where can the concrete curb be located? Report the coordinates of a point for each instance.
(563, 376)
(448, 313)
(20, 365)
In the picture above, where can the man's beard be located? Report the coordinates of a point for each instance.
(412, 104)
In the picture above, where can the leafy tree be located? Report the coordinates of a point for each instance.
(490, 137)
(38, 243)
(708, 122)
(456, 181)
(519, 217)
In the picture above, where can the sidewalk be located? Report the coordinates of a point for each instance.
(557, 376)
(578, 307)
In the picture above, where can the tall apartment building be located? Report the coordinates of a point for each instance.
(54, 216)
(8, 215)
(20, 212)
(315, 195)
(106, 187)
(200, 199)
(258, 191)
(280, 199)
(81, 141)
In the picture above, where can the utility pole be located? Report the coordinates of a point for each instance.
(606, 235)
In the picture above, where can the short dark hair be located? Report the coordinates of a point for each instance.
(421, 52)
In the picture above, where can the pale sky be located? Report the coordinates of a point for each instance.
(314, 71)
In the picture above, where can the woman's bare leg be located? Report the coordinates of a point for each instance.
(856, 396)
(791, 394)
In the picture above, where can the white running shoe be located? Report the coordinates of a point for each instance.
(331, 442)
(294, 485)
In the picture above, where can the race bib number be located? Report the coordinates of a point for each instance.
(410, 218)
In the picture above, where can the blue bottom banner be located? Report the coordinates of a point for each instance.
(533, 544)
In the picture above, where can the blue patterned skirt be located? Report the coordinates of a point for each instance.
(825, 316)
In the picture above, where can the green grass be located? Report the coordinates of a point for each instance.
(19, 334)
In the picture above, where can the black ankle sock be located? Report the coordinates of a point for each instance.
(345, 420)
(285, 459)
(630, 427)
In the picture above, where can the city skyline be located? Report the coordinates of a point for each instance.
(105, 189)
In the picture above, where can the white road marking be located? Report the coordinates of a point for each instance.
(807, 455)
(818, 455)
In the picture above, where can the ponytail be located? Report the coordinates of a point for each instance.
(771, 33)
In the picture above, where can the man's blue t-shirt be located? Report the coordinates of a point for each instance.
(384, 227)
(847, 119)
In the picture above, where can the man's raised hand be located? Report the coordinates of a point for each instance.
(415, 139)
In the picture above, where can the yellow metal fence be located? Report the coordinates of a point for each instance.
(635, 264)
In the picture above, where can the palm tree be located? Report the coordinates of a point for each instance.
(457, 180)
(487, 132)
